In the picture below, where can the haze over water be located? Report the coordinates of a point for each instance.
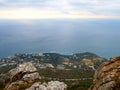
(66, 36)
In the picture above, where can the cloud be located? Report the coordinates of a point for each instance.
(103, 7)
(58, 8)
(35, 13)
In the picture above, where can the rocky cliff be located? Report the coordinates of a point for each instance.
(107, 76)
(24, 74)
(26, 77)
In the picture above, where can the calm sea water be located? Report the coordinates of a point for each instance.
(66, 36)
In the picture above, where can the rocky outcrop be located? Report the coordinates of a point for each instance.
(107, 76)
(52, 85)
(26, 77)
(24, 74)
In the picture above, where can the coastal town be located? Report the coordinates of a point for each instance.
(46, 60)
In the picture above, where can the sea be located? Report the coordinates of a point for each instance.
(65, 36)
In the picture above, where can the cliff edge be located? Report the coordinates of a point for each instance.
(23, 75)
(107, 76)
(26, 77)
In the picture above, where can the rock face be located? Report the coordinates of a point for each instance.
(26, 76)
(52, 85)
(107, 76)
(22, 75)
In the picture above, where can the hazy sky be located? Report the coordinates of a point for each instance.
(34, 9)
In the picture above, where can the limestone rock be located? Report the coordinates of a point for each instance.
(24, 74)
(31, 77)
(52, 85)
(107, 76)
